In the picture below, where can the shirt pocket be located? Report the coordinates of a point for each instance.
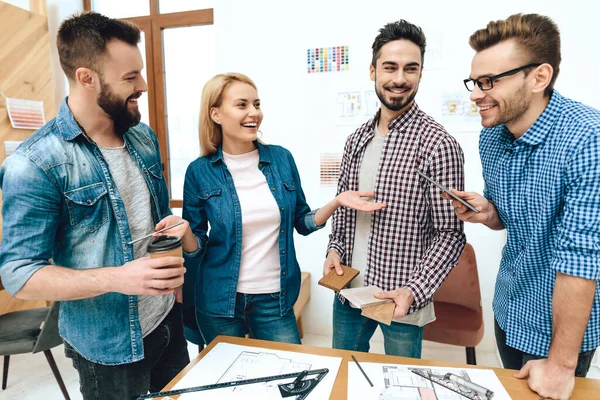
(158, 180)
(290, 190)
(88, 206)
(211, 197)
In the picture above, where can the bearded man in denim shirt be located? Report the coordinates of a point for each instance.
(76, 193)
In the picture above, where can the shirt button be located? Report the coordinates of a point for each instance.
(281, 208)
(89, 202)
(283, 293)
(282, 251)
(282, 231)
(282, 272)
(266, 173)
(273, 189)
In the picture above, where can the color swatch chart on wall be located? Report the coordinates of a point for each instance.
(327, 59)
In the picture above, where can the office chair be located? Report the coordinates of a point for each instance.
(458, 312)
(31, 331)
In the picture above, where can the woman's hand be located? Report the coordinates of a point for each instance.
(361, 201)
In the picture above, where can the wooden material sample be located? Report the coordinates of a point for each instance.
(25, 73)
(337, 282)
(381, 312)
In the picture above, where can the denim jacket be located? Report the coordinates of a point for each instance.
(61, 203)
(210, 198)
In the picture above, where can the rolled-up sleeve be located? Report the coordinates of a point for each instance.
(30, 218)
(578, 236)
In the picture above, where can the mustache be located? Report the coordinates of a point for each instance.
(401, 87)
(136, 95)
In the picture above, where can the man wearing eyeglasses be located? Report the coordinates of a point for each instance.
(541, 166)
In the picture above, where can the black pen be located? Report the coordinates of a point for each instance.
(361, 370)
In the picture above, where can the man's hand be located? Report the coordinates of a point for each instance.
(476, 200)
(356, 201)
(148, 276)
(487, 215)
(548, 379)
(332, 261)
(179, 294)
(403, 299)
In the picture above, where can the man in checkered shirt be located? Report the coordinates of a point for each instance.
(541, 166)
(408, 248)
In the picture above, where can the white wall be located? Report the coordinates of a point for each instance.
(268, 41)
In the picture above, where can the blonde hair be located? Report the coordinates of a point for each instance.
(537, 34)
(209, 131)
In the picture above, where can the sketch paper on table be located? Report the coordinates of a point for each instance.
(227, 362)
(391, 382)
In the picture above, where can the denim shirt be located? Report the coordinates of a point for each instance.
(210, 198)
(61, 203)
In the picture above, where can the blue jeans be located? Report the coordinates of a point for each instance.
(515, 359)
(352, 331)
(256, 314)
(165, 354)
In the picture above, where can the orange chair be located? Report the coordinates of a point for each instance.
(459, 316)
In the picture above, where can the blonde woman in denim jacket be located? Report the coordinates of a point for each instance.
(243, 200)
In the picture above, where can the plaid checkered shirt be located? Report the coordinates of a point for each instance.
(416, 240)
(546, 188)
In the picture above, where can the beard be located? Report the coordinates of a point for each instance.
(116, 108)
(395, 104)
(515, 108)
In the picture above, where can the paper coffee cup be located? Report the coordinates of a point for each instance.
(164, 246)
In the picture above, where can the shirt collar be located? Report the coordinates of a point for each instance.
(263, 154)
(538, 132)
(67, 126)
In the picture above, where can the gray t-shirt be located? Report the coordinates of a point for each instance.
(132, 188)
(369, 167)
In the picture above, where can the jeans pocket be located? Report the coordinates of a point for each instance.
(72, 354)
(275, 296)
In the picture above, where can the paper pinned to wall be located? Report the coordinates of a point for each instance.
(25, 114)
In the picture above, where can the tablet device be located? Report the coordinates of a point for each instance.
(455, 197)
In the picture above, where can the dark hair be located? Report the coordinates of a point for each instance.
(82, 39)
(536, 34)
(400, 29)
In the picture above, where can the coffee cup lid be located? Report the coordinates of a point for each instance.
(164, 243)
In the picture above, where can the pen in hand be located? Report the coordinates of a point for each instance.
(361, 370)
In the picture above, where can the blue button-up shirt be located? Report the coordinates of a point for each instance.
(210, 198)
(546, 187)
(61, 203)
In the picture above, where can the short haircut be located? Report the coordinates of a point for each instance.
(536, 34)
(82, 40)
(400, 29)
(210, 133)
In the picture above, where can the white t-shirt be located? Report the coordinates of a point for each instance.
(260, 266)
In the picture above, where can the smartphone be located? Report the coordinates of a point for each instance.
(444, 189)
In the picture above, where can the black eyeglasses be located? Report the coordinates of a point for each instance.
(488, 83)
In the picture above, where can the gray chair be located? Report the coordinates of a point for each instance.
(31, 331)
